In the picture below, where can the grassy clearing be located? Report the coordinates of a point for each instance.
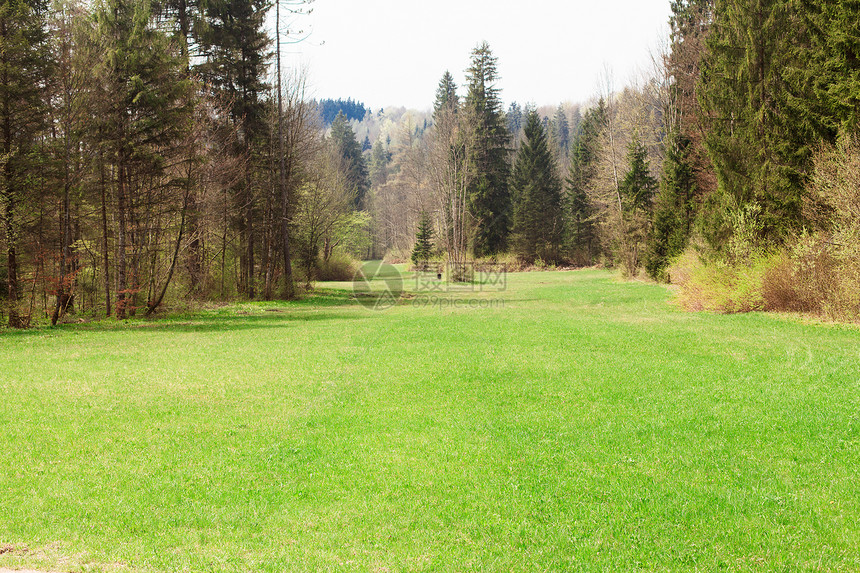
(585, 425)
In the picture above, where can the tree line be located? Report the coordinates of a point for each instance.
(737, 149)
(151, 149)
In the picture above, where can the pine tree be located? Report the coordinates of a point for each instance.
(446, 95)
(561, 132)
(638, 186)
(236, 46)
(489, 197)
(350, 150)
(581, 243)
(536, 191)
(24, 66)
(674, 208)
(144, 110)
(758, 139)
(423, 249)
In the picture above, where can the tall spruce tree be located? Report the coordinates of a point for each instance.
(145, 108)
(674, 209)
(581, 244)
(489, 197)
(24, 66)
(446, 95)
(636, 192)
(561, 132)
(423, 249)
(236, 46)
(350, 151)
(759, 142)
(536, 190)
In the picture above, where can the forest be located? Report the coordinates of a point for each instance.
(157, 153)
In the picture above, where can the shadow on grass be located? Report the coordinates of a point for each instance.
(317, 306)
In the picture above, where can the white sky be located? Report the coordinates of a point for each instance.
(393, 52)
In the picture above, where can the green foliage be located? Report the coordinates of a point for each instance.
(763, 116)
(536, 190)
(580, 241)
(353, 159)
(423, 249)
(380, 159)
(237, 45)
(489, 197)
(514, 118)
(638, 186)
(561, 133)
(674, 209)
(25, 66)
(720, 286)
(446, 95)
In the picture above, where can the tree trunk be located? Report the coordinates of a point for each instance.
(105, 245)
(121, 278)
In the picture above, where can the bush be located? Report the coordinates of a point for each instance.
(720, 286)
(814, 277)
(339, 267)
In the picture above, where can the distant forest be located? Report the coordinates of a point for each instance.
(329, 108)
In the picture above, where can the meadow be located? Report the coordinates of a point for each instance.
(573, 422)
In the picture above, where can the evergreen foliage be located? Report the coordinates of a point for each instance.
(638, 186)
(330, 108)
(536, 190)
(24, 72)
(674, 209)
(515, 119)
(353, 158)
(581, 241)
(489, 197)
(758, 138)
(446, 95)
(423, 249)
(561, 132)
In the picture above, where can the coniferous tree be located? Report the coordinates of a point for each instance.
(536, 190)
(446, 94)
(489, 197)
(638, 186)
(350, 150)
(423, 249)
(674, 208)
(637, 192)
(236, 48)
(561, 132)
(760, 145)
(380, 158)
(24, 66)
(514, 118)
(581, 242)
(146, 109)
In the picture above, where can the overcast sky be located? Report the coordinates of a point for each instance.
(393, 52)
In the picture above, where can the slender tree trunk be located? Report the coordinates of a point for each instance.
(249, 239)
(154, 304)
(121, 278)
(7, 194)
(105, 245)
(289, 287)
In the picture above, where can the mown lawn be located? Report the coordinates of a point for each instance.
(586, 424)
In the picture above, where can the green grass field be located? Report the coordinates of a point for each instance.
(585, 424)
